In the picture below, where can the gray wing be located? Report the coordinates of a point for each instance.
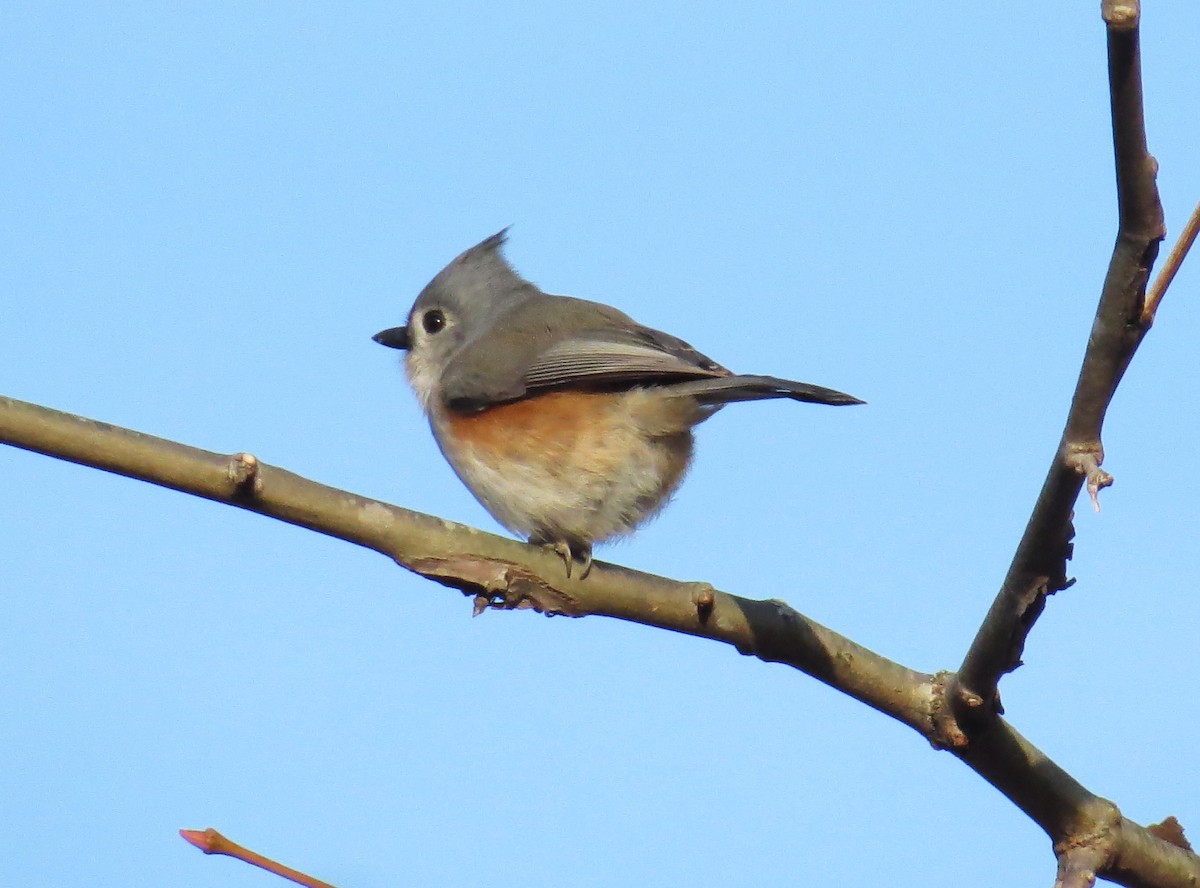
(635, 356)
(568, 343)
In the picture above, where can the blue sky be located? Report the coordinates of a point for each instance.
(209, 209)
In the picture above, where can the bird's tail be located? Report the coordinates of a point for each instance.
(727, 389)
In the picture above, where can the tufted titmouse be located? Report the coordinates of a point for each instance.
(569, 421)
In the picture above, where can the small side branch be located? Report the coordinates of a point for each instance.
(1155, 294)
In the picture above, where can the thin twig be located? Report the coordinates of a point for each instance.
(212, 842)
(1170, 266)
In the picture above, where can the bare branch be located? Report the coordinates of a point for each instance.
(503, 573)
(496, 572)
(1039, 567)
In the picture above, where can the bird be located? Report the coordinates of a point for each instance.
(570, 422)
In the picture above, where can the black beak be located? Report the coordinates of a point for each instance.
(393, 337)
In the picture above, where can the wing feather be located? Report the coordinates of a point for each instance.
(605, 360)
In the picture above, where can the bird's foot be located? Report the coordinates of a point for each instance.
(570, 553)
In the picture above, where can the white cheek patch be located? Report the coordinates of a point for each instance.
(423, 377)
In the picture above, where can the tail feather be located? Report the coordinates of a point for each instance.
(727, 389)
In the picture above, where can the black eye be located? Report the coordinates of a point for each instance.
(433, 321)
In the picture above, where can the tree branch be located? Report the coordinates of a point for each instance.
(503, 573)
(498, 572)
(1039, 567)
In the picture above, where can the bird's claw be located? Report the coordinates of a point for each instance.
(568, 553)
